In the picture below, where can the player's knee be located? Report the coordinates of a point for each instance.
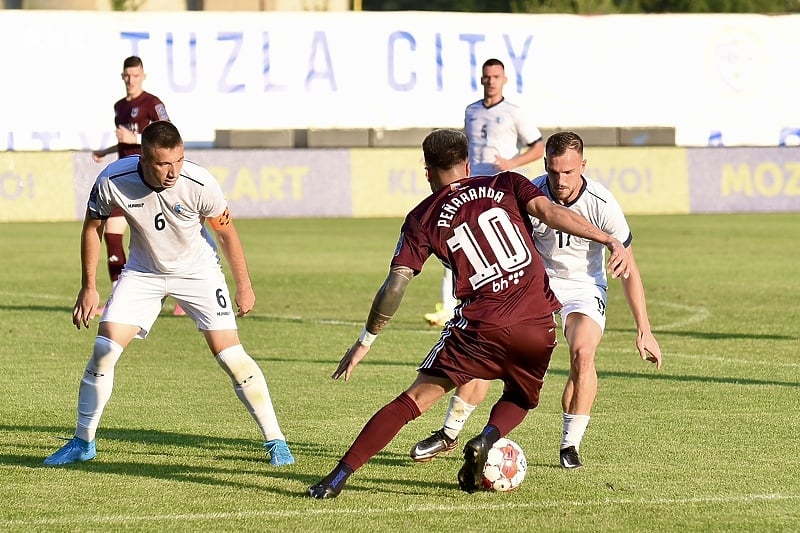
(241, 368)
(473, 392)
(582, 359)
(104, 355)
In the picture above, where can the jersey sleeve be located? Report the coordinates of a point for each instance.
(212, 200)
(99, 203)
(613, 222)
(412, 248)
(159, 109)
(527, 133)
(525, 190)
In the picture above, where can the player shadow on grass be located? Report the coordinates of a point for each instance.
(662, 376)
(164, 455)
(203, 459)
(713, 335)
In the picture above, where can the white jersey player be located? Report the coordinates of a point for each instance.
(576, 274)
(165, 201)
(501, 137)
(574, 265)
(497, 132)
(167, 221)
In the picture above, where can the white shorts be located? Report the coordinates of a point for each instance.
(580, 297)
(137, 299)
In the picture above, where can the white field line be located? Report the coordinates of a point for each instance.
(694, 314)
(87, 521)
(34, 296)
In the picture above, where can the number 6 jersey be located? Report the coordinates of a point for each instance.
(165, 224)
(479, 227)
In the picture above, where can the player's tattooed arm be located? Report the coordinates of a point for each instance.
(384, 305)
(388, 298)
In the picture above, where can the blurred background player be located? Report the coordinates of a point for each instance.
(167, 199)
(575, 269)
(497, 131)
(131, 115)
(506, 330)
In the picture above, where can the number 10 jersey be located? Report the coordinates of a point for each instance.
(479, 228)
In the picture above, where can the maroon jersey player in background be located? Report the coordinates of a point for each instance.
(132, 114)
(504, 326)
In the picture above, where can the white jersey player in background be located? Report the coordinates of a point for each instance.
(575, 268)
(165, 200)
(500, 138)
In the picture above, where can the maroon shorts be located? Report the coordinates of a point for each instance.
(518, 355)
(116, 212)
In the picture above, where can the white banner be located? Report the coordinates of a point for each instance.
(728, 78)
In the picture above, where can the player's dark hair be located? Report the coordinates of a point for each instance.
(160, 134)
(443, 149)
(132, 61)
(559, 143)
(493, 62)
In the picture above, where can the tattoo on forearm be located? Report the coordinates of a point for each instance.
(388, 298)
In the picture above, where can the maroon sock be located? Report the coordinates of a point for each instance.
(505, 416)
(380, 430)
(116, 255)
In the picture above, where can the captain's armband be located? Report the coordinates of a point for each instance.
(222, 221)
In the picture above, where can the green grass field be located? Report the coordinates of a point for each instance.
(709, 443)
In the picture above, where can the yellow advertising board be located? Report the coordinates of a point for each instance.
(644, 180)
(387, 182)
(36, 186)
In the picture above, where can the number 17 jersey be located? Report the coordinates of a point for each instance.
(574, 258)
(479, 228)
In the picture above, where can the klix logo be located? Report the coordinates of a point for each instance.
(136, 205)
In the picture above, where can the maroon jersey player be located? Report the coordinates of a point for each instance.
(132, 114)
(504, 327)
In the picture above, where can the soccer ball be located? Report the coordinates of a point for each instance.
(505, 466)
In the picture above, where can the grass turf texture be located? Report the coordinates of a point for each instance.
(709, 443)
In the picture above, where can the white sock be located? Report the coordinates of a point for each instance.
(449, 301)
(574, 428)
(457, 414)
(96, 386)
(251, 389)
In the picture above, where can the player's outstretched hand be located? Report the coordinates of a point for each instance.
(618, 259)
(351, 358)
(648, 347)
(85, 307)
